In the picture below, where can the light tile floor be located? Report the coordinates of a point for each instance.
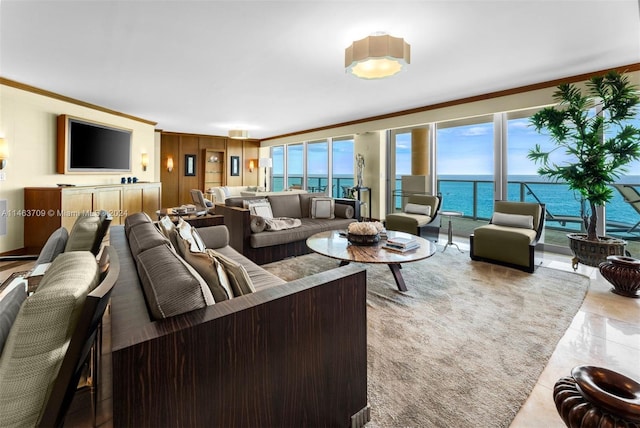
(605, 332)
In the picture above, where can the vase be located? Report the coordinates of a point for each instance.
(597, 397)
(623, 273)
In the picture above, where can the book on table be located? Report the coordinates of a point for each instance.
(401, 248)
(401, 242)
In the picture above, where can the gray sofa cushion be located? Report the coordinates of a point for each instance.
(40, 337)
(285, 205)
(135, 219)
(170, 285)
(214, 236)
(144, 236)
(55, 245)
(309, 227)
(11, 299)
(260, 278)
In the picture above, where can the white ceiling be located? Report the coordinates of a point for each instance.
(277, 67)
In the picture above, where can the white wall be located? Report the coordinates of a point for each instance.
(28, 123)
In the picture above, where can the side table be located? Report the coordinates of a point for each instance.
(450, 228)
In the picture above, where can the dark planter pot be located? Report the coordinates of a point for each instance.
(623, 273)
(592, 253)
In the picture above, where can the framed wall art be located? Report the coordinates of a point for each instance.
(235, 166)
(189, 165)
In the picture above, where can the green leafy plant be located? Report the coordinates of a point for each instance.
(594, 161)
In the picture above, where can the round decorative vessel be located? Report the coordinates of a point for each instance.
(363, 239)
(597, 397)
(592, 253)
(623, 273)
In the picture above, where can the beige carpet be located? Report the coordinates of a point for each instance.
(465, 345)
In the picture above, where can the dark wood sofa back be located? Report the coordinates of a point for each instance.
(291, 355)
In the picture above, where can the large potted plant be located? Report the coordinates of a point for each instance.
(589, 127)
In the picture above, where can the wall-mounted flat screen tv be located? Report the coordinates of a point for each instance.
(91, 147)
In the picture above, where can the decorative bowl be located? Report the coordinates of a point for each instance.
(363, 239)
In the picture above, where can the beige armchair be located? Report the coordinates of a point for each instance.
(511, 237)
(421, 216)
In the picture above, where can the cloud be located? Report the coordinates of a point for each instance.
(474, 131)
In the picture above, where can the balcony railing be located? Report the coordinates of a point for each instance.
(565, 208)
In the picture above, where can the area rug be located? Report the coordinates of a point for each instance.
(465, 345)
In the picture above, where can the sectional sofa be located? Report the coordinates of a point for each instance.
(287, 354)
(265, 246)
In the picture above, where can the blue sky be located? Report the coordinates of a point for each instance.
(463, 150)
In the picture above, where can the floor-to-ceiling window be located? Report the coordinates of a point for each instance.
(622, 213)
(401, 165)
(277, 169)
(465, 160)
(295, 166)
(317, 166)
(342, 171)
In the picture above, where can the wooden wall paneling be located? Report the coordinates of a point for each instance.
(170, 146)
(189, 146)
(234, 148)
(250, 152)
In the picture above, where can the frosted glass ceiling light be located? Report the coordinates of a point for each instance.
(377, 56)
(239, 134)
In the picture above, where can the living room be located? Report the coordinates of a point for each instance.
(30, 105)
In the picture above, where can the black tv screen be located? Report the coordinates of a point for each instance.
(93, 147)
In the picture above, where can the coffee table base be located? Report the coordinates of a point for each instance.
(395, 270)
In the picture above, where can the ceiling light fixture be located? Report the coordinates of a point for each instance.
(377, 56)
(239, 134)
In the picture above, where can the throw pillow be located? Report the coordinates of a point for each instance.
(185, 231)
(213, 274)
(11, 299)
(343, 211)
(83, 233)
(417, 209)
(247, 202)
(262, 209)
(257, 224)
(513, 220)
(322, 208)
(226, 192)
(239, 279)
(167, 227)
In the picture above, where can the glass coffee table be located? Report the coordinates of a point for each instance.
(334, 244)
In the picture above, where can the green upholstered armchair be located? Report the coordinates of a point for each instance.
(511, 237)
(421, 217)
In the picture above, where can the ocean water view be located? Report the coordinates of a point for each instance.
(473, 195)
